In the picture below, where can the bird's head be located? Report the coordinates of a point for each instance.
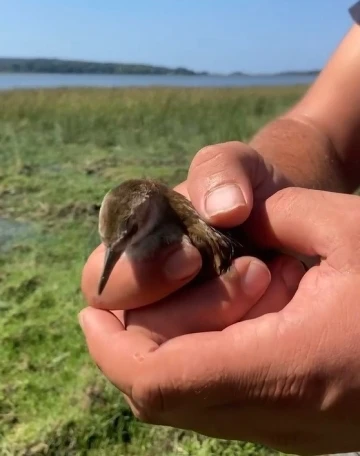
(127, 214)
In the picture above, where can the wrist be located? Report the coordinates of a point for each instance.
(302, 153)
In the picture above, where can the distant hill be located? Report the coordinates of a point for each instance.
(19, 65)
(44, 65)
(281, 73)
(238, 73)
(297, 73)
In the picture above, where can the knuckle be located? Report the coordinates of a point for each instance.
(206, 154)
(286, 198)
(211, 155)
(283, 202)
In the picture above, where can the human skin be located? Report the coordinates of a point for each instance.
(307, 406)
(287, 379)
(314, 145)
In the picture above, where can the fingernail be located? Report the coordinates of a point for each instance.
(292, 272)
(224, 199)
(183, 263)
(256, 279)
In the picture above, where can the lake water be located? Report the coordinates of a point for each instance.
(33, 81)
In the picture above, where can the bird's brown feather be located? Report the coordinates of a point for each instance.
(218, 248)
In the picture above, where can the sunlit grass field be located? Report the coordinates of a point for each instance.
(60, 151)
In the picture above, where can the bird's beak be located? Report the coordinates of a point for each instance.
(111, 257)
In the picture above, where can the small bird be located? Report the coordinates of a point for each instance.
(141, 216)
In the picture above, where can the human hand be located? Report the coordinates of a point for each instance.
(251, 180)
(288, 379)
(245, 292)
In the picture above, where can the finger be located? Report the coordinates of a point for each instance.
(106, 338)
(120, 315)
(182, 188)
(310, 222)
(211, 306)
(287, 273)
(224, 179)
(219, 183)
(135, 285)
(244, 292)
(122, 356)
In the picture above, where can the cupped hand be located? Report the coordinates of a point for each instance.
(223, 183)
(287, 379)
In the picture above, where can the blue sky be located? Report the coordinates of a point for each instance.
(213, 35)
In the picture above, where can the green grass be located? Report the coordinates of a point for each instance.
(60, 151)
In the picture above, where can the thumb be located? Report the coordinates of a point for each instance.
(309, 222)
(219, 183)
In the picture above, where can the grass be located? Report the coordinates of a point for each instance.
(60, 151)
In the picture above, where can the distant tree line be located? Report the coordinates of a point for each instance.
(17, 65)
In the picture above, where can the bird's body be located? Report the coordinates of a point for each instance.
(141, 216)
